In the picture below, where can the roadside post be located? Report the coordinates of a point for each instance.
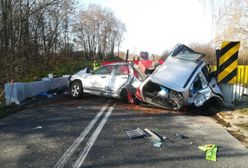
(127, 55)
(227, 64)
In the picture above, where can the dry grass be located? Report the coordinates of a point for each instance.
(243, 125)
(237, 121)
(243, 111)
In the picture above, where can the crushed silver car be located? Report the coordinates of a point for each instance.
(182, 80)
(118, 80)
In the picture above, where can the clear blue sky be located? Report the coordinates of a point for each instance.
(156, 25)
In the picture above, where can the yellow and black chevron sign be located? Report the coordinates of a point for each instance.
(227, 62)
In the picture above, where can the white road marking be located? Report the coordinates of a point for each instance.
(62, 161)
(89, 144)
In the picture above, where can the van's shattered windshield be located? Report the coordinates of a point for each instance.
(183, 52)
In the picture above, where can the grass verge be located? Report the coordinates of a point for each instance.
(243, 125)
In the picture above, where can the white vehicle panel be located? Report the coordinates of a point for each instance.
(96, 82)
(115, 82)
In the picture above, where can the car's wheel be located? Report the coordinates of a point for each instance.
(76, 89)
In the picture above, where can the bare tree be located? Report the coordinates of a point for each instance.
(98, 31)
(30, 32)
(230, 23)
(206, 48)
(35, 33)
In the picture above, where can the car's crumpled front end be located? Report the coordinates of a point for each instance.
(159, 95)
(128, 90)
(182, 80)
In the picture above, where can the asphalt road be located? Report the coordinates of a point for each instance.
(90, 133)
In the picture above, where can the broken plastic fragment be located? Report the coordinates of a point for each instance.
(38, 127)
(157, 144)
(152, 136)
(211, 151)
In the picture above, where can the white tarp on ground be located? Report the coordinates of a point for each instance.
(17, 92)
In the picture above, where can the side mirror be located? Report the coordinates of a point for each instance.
(87, 69)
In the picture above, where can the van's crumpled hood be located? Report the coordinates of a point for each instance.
(174, 72)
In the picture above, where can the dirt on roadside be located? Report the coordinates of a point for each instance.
(236, 121)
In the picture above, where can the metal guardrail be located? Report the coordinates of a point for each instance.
(19, 91)
(242, 74)
(236, 91)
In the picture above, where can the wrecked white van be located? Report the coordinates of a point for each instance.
(182, 80)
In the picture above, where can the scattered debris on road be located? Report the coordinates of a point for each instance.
(157, 144)
(79, 107)
(136, 133)
(155, 139)
(211, 151)
(181, 136)
(38, 127)
(152, 136)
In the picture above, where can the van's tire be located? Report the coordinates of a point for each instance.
(76, 89)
